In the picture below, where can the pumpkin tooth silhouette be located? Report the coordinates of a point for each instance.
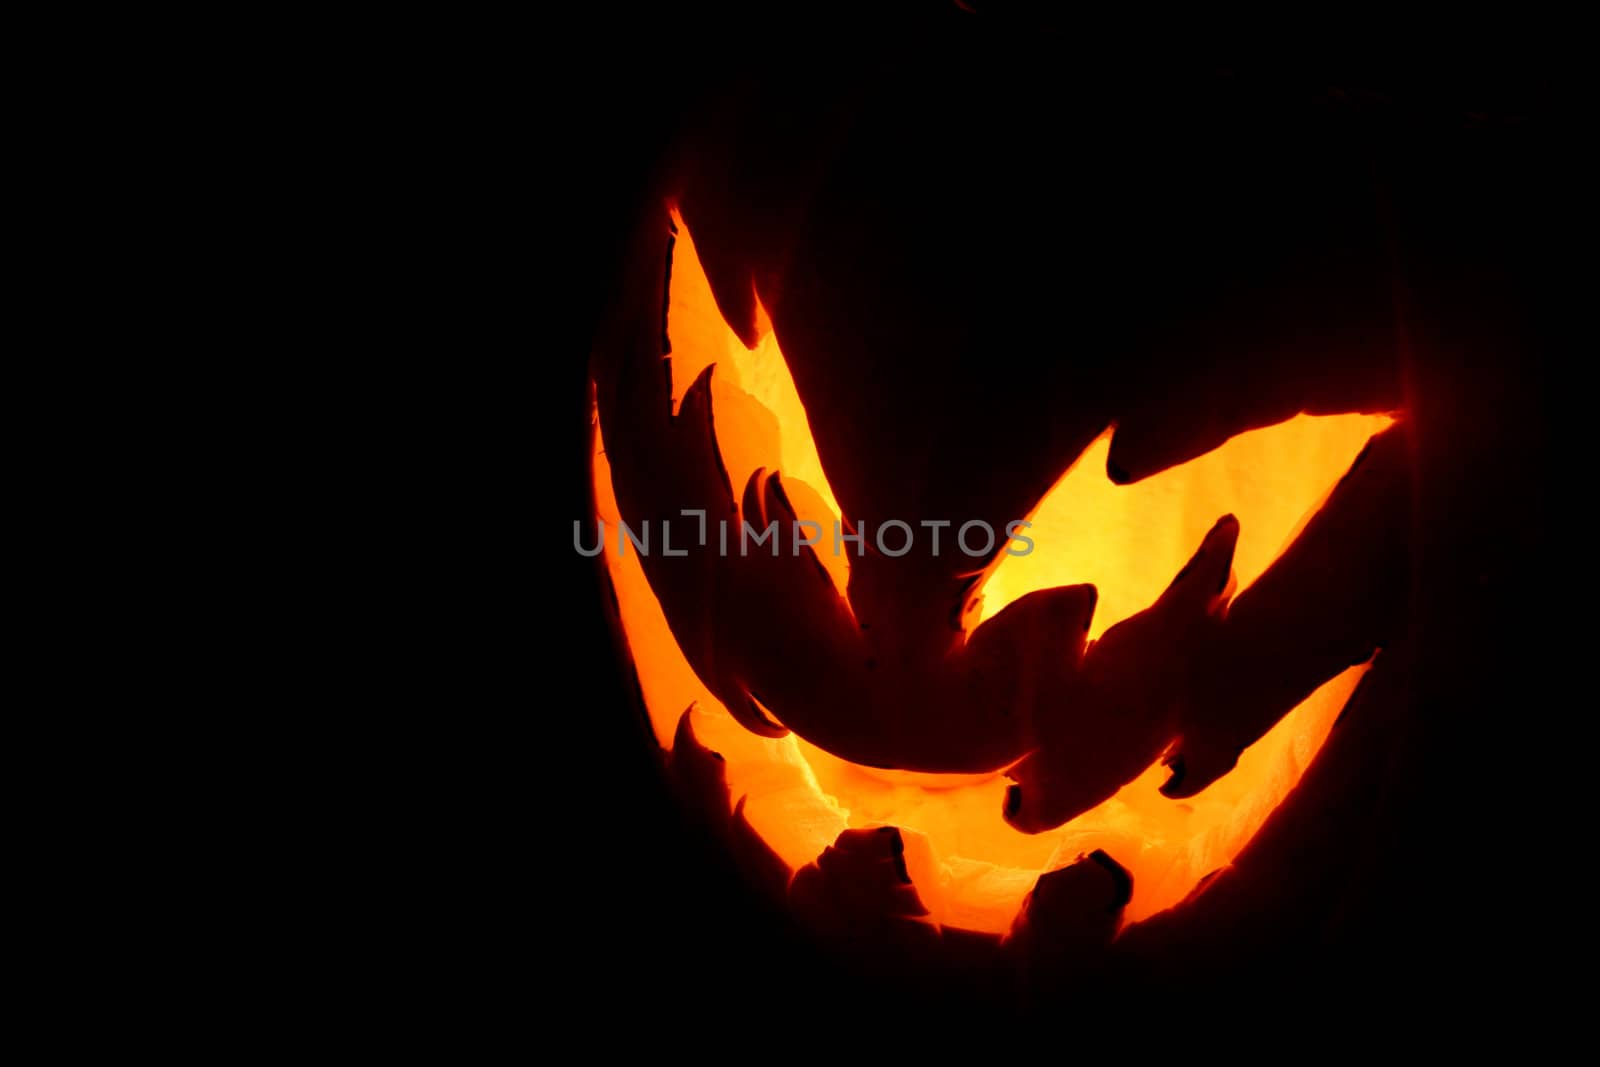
(858, 894)
(1123, 708)
(1068, 919)
(698, 774)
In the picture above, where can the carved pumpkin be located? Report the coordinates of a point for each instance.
(1101, 764)
(1110, 753)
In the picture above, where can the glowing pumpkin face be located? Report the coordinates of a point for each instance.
(947, 268)
(1175, 349)
(1085, 698)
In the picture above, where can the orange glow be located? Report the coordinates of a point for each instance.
(971, 869)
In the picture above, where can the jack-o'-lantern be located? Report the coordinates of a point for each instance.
(996, 608)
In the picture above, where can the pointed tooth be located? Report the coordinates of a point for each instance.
(699, 774)
(1118, 715)
(858, 894)
(1204, 579)
(1069, 918)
